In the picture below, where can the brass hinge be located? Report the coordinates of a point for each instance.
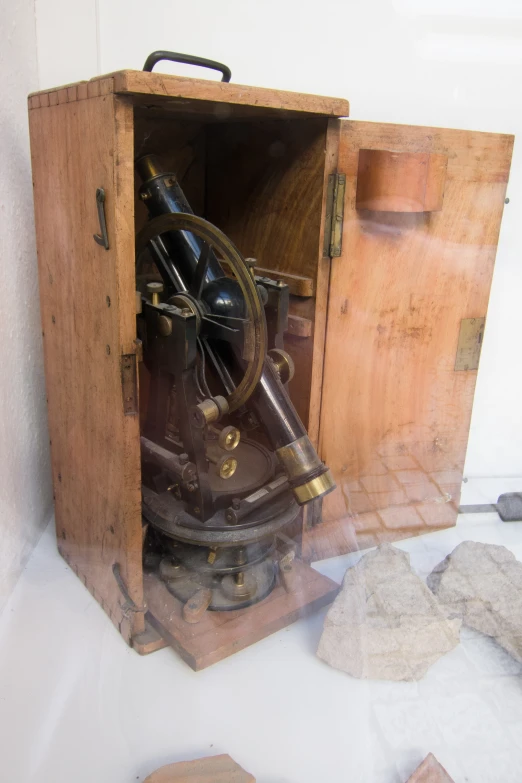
(333, 226)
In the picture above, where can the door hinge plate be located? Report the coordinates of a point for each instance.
(469, 344)
(333, 227)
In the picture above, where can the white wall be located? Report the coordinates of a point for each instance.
(454, 63)
(25, 487)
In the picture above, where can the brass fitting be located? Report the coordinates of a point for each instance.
(187, 307)
(208, 411)
(283, 363)
(155, 289)
(226, 467)
(164, 325)
(315, 488)
(309, 477)
(225, 464)
(229, 438)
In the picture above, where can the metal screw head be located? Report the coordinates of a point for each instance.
(164, 325)
(227, 468)
(145, 195)
(236, 503)
(155, 288)
(229, 438)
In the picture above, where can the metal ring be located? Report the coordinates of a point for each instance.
(181, 221)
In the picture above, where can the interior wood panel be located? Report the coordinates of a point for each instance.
(265, 189)
(88, 315)
(180, 145)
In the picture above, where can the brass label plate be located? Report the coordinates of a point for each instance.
(470, 342)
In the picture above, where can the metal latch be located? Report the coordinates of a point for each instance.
(129, 384)
(333, 227)
(102, 238)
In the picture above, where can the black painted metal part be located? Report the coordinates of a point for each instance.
(187, 59)
(213, 515)
(508, 507)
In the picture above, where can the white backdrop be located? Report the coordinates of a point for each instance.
(25, 489)
(453, 63)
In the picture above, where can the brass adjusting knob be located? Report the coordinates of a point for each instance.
(283, 363)
(155, 289)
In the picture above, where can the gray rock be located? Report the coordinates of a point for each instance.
(385, 624)
(482, 584)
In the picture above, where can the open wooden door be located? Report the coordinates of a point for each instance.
(408, 297)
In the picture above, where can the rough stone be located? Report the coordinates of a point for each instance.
(482, 584)
(385, 624)
(430, 771)
(213, 769)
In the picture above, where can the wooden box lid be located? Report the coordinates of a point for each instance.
(219, 100)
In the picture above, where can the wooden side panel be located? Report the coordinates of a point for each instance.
(87, 304)
(395, 414)
(266, 189)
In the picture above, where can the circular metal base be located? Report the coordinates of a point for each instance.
(168, 515)
(229, 591)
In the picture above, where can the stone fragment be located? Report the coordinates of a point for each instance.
(385, 624)
(482, 584)
(430, 771)
(214, 769)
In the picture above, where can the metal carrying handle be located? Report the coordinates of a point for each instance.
(187, 59)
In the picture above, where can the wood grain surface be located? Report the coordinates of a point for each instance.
(395, 415)
(87, 304)
(218, 100)
(220, 634)
(266, 189)
(389, 181)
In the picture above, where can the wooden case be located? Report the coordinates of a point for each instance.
(386, 236)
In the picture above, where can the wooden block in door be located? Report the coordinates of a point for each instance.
(391, 181)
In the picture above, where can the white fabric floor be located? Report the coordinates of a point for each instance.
(76, 704)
